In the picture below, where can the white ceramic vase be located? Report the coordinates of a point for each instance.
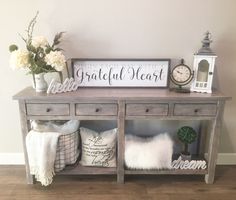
(185, 157)
(40, 85)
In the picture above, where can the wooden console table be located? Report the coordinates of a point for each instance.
(123, 104)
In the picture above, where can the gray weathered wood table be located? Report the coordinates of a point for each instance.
(123, 104)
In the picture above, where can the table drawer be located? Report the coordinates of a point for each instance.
(195, 109)
(96, 109)
(47, 109)
(147, 109)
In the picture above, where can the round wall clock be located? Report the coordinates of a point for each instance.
(181, 75)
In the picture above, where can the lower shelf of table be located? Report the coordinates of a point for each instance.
(168, 171)
(83, 170)
(79, 169)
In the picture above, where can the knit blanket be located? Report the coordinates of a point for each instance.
(41, 149)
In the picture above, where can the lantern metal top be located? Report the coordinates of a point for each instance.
(205, 49)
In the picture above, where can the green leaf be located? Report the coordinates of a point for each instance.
(25, 40)
(187, 134)
(48, 49)
(58, 49)
(31, 48)
(13, 47)
(57, 38)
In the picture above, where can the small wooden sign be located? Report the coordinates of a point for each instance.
(68, 85)
(186, 164)
(121, 72)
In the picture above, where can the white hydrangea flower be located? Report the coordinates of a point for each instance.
(19, 59)
(56, 59)
(39, 41)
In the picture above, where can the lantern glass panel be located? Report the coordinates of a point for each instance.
(203, 70)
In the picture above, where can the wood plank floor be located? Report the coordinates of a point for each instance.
(13, 187)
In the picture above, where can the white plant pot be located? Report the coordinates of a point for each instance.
(40, 85)
(186, 157)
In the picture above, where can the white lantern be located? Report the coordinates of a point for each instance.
(203, 67)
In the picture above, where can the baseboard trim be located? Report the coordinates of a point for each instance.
(18, 159)
(226, 159)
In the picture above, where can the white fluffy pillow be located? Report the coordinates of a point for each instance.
(98, 149)
(148, 153)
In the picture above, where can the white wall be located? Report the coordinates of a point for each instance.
(120, 28)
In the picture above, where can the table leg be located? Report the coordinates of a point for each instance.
(121, 142)
(25, 130)
(214, 143)
(201, 143)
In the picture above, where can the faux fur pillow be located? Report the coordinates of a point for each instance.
(148, 153)
(98, 149)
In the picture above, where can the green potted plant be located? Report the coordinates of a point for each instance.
(186, 135)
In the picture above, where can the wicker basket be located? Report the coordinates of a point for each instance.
(67, 150)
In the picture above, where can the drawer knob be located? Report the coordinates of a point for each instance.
(196, 110)
(48, 110)
(97, 110)
(147, 110)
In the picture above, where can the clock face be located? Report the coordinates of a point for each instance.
(181, 74)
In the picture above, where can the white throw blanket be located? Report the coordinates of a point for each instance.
(41, 148)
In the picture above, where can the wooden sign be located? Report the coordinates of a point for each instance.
(186, 164)
(68, 85)
(121, 72)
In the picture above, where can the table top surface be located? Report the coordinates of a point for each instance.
(119, 94)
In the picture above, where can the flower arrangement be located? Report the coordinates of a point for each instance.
(39, 56)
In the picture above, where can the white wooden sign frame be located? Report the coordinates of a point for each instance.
(121, 72)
